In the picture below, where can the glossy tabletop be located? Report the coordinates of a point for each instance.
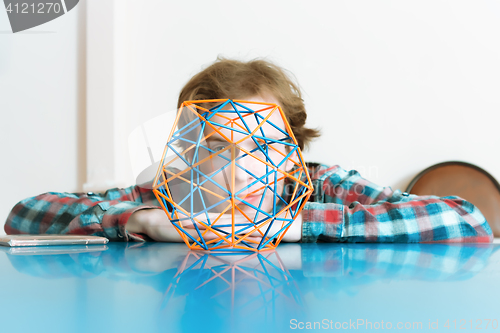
(156, 287)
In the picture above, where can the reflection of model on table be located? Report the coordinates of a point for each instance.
(343, 208)
(343, 265)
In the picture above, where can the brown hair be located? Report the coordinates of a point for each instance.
(235, 79)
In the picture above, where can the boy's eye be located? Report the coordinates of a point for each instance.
(264, 146)
(218, 148)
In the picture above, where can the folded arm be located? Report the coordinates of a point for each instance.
(348, 208)
(79, 213)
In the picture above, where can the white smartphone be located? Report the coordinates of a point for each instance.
(45, 240)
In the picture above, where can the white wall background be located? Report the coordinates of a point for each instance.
(42, 108)
(395, 86)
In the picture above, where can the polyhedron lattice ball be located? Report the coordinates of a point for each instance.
(232, 176)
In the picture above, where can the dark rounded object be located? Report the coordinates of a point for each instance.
(465, 180)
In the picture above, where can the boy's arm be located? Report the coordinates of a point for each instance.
(80, 213)
(347, 208)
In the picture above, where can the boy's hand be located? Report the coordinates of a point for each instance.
(225, 219)
(294, 233)
(155, 224)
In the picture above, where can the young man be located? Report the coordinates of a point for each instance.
(343, 208)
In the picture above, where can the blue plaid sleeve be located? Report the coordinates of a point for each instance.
(347, 208)
(90, 213)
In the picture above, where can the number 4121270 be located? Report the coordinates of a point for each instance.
(39, 8)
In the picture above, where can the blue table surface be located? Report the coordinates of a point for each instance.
(155, 287)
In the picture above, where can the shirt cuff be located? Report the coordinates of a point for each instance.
(322, 221)
(115, 218)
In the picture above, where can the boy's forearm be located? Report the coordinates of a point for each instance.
(73, 213)
(294, 233)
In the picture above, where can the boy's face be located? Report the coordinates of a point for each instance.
(247, 168)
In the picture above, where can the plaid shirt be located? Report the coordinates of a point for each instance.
(343, 208)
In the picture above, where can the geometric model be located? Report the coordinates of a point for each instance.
(232, 177)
